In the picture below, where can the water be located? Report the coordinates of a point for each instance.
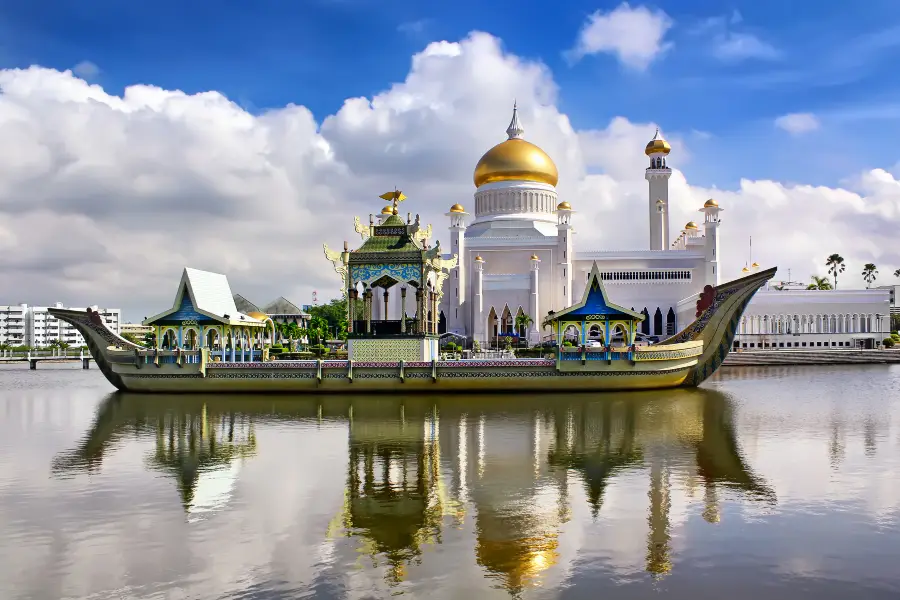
(779, 482)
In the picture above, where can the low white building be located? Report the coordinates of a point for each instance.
(815, 319)
(34, 326)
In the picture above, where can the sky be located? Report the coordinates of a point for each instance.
(139, 138)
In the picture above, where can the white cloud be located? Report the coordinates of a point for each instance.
(634, 35)
(798, 123)
(104, 199)
(733, 46)
(86, 69)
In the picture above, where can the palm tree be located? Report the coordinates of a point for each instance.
(835, 264)
(522, 322)
(897, 273)
(819, 283)
(869, 272)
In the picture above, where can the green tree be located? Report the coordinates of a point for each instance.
(869, 273)
(522, 322)
(819, 283)
(317, 329)
(835, 264)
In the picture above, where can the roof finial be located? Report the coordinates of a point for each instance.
(515, 131)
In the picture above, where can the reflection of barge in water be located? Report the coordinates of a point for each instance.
(228, 352)
(418, 467)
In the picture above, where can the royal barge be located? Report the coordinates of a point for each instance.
(205, 345)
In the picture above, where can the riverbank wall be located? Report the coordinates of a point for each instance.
(762, 358)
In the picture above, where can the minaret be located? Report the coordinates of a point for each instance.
(711, 222)
(564, 234)
(456, 302)
(657, 175)
(478, 332)
(534, 332)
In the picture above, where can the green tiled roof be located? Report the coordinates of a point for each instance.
(391, 238)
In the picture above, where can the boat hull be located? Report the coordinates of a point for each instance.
(340, 377)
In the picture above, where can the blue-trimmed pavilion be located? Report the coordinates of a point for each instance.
(595, 318)
(204, 315)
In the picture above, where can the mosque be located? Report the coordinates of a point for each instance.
(516, 253)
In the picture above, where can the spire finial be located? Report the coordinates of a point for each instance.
(515, 131)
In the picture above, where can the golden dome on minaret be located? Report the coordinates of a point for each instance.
(515, 160)
(457, 208)
(657, 144)
(691, 225)
(710, 203)
(563, 206)
(387, 210)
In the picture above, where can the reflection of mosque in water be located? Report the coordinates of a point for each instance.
(417, 467)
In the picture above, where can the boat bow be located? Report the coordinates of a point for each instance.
(99, 338)
(719, 311)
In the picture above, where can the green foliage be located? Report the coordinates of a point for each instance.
(535, 352)
(333, 317)
(888, 342)
(135, 339)
(476, 347)
(819, 283)
(567, 343)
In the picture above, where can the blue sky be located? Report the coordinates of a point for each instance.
(831, 59)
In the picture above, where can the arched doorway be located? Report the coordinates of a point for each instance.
(657, 322)
(645, 324)
(442, 323)
(190, 339)
(212, 339)
(170, 340)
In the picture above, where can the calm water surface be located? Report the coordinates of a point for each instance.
(775, 483)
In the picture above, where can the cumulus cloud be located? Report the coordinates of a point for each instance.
(634, 35)
(104, 198)
(798, 123)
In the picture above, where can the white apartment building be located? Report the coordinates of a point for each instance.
(13, 324)
(34, 326)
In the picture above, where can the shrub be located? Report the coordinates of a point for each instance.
(888, 342)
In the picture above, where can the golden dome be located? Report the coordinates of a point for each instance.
(387, 210)
(457, 208)
(479, 259)
(515, 160)
(258, 316)
(691, 225)
(534, 257)
(745, 270)
(710, 203)
(755, 265)
(563, 206)
(657, 144)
